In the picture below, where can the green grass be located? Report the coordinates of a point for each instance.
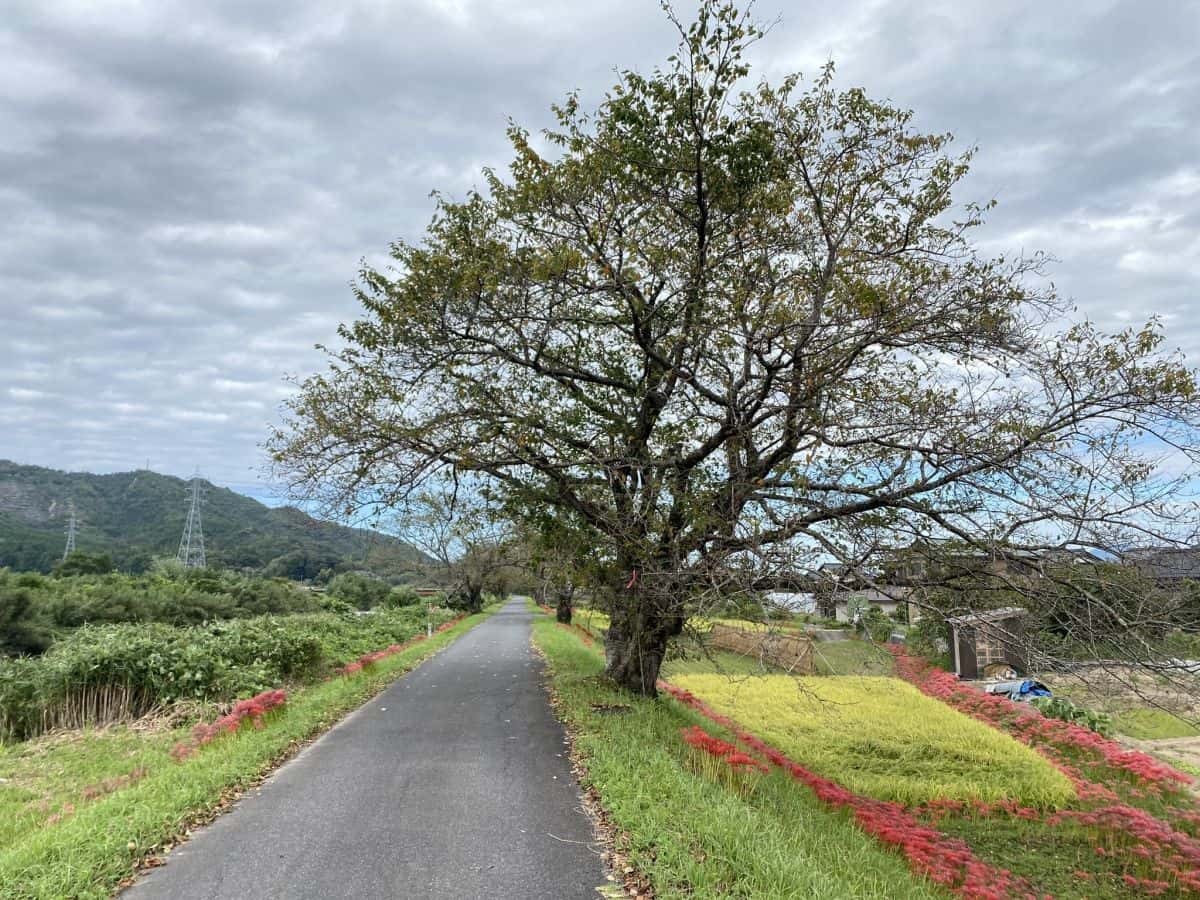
(852, 658)
(88, 852)
(692, 836)
(49, 777)
(883, 738)
(1048, 856)
(716, 662)
(1152, 725)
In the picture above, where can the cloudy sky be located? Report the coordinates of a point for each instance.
(186, 189)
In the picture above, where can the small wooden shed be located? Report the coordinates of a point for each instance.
(983, 639)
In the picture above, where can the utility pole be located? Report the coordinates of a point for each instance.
(191, 545)
(72, 527)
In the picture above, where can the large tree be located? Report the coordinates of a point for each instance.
(723, 325)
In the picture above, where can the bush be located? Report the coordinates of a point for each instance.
(20, 631)
(35, 609)
(927, 639)
(85, 564)
(106, 673)
(401, 596)
(1067, 711)
(336, 605)
(360, 591)
(876, 624)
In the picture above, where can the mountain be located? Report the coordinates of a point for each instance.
(135, 516)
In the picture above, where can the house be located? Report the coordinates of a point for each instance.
(1166, 565)
(843, 592)
(921, 564)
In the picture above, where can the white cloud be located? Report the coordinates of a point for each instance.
(186, 189)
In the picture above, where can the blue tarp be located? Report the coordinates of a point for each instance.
(1019, 690)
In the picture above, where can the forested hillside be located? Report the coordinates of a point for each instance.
(135, 516)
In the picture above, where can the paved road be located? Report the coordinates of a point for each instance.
(452, 783)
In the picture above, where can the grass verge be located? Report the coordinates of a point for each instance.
(690, 834)
(853, 657)
(90, 851)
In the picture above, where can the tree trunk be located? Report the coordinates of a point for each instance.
(564, 607)
(636, 645)
(472, 598)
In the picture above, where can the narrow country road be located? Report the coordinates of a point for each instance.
(452, 783)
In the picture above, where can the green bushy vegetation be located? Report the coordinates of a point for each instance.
(35, 610)
(876, 624)
(1068, 711)
(363, 591)
(114, 672)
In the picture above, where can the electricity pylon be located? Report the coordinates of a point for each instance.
(191, 545)
(72, 527)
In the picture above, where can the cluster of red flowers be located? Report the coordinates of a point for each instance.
(1135, 836)
(367, 660)
(697, 737)
(944, 860)
(253, 709)
(1125, 833)
(1057, 740)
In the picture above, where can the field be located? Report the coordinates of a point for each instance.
(975, 796)
(1153, 725)
(850, 657)
(883, 738)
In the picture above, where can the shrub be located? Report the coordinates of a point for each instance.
(108, 673)
(927, 638)
(21, 632)
(876, 624)
(85, 564)
(1067, 711)
(404, 595)
(361, 591)
(35, 610)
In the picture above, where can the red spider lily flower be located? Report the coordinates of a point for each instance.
(702, 740)
(740, 760)
(253, 709)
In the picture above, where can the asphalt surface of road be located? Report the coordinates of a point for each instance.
(452, 783)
